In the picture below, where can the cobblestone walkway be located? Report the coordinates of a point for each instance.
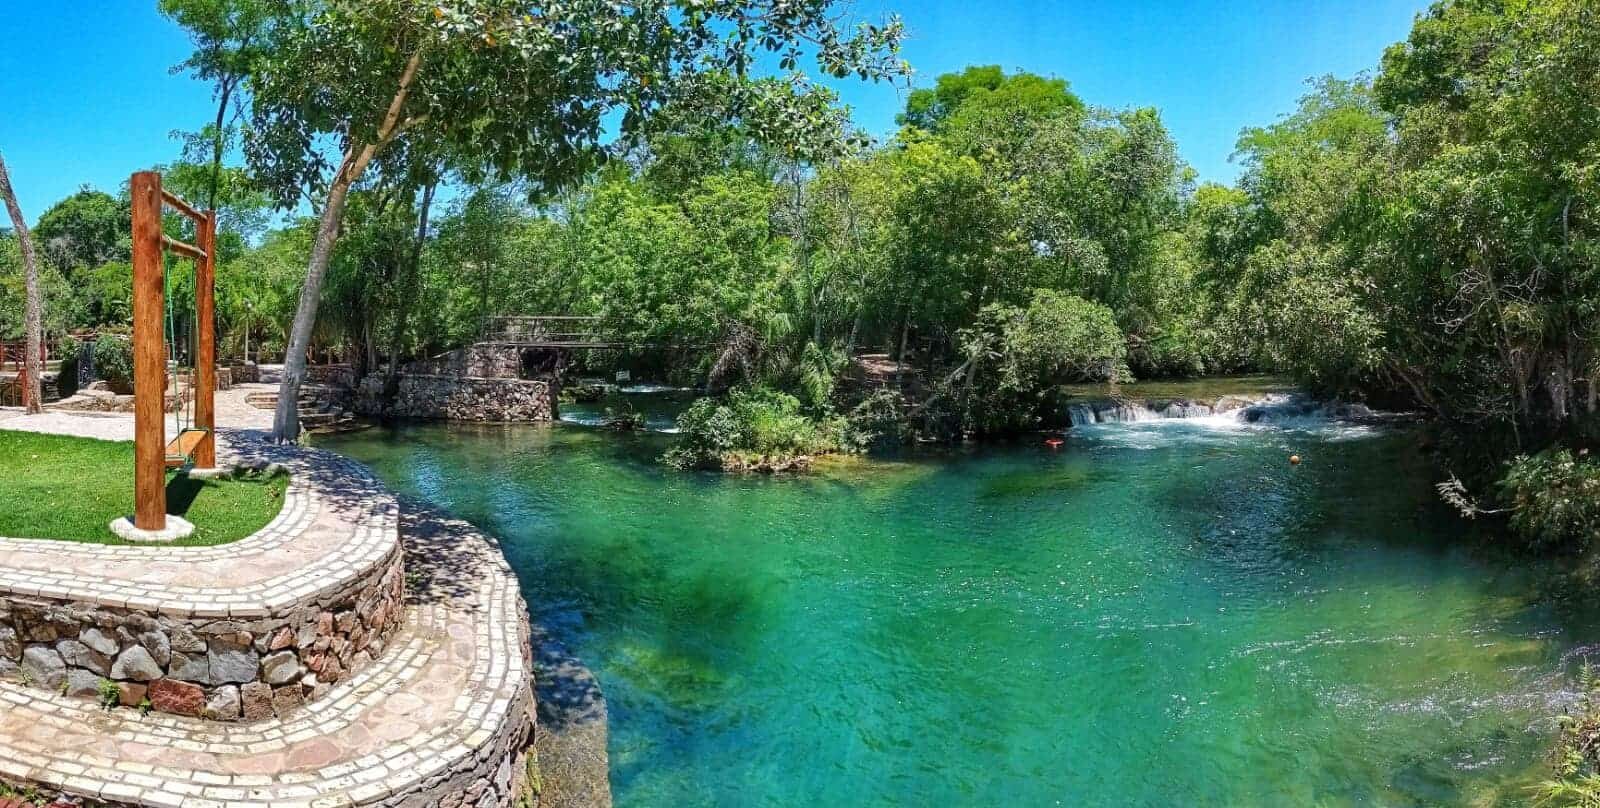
(441, 718)
(337, 523)
(438, 719)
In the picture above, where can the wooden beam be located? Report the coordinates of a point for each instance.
(205, 360)
(182, 207)
(185, 250)
(149, 356)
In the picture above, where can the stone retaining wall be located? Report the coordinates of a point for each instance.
(455, 398)
(497, 775)
(220, 669)
(332, 375)
(483, 361)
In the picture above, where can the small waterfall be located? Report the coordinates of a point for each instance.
(1278, 409)
(1081, 415)
(1122, 411)
(1290, 409)
(1128, 411)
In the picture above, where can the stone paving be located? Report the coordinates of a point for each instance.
(442, 717)
(337, 524)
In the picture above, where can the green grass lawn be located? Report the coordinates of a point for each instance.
(57, 487)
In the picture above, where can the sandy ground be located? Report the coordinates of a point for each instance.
(232, 413)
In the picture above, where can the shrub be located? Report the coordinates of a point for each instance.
(69, 350)
(113, 361)
(706, 431)
(771, 423)
(818, 375)
(1575, 759)
(1555, 498)
(878, 422)
(1016, 356)
(752, 421)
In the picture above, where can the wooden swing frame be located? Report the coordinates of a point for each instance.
(195, 447)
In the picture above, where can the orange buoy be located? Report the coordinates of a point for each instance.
(1054, 443)
(1294, 460)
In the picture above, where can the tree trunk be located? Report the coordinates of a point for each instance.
(218, 143)
(286, 420)
(369, 351)
(408, 291)
(32, 367)
(900, 359)
(855, 333)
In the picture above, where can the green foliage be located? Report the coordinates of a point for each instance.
(818, 373)
(707, 430)
(1018, 356)
(113, 360)
(1431, 236)
(108, 693)
(696, 270)
(1555, 495)
(507, 88)
(1057, 338)
(84, 230)
(756, 421)
(62, 306)
(985, 91)
(1575, 757)
(71, 352)
(878, 423)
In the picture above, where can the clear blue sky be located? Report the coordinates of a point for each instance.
(87, 95)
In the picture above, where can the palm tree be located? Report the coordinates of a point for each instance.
(32, 367)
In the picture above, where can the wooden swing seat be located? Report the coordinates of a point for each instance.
(182, 448)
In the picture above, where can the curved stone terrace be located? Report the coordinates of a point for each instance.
(439, 710)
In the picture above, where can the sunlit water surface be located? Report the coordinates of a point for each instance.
(1156, 614)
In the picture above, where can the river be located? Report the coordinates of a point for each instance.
(1160, 613)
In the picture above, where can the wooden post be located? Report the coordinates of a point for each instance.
(205, 361)
(149, 356)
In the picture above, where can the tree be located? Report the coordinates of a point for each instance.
(1016, 356)
(504, 87)
(228, 37)
(986, 91)
(32, 369)
(84, 231)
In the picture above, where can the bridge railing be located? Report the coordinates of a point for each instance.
(14, 354)
(541, 330)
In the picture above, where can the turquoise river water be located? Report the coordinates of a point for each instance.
(1156, 614)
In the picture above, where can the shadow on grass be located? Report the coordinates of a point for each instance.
(181, 492)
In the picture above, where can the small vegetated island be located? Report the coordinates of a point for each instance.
(1007, 598)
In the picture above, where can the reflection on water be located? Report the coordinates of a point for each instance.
(1159, 613)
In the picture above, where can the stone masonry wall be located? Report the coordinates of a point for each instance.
(486, 361)
(332, 375)
(454, 398)
(223, 670)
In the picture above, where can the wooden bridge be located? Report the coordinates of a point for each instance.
(547, 331)
(561, 332)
